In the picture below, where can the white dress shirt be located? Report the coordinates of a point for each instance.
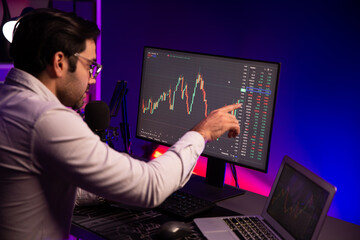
(47, 151)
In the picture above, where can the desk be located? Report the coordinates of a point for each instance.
(248, 203)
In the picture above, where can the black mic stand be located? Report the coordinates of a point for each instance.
(119, 100)
(124, 126)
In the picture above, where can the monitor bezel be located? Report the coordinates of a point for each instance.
(328, 187)
(278, 64)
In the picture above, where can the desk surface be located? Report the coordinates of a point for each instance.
(246, 204)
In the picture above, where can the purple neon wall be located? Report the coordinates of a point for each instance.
(317, 112)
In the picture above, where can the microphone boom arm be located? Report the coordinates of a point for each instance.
(118, 100)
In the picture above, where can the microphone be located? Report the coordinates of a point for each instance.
(97, 117)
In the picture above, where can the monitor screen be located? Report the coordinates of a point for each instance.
(178, 89)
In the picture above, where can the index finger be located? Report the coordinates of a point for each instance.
(229, 108)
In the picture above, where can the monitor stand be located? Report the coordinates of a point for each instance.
(212, 187)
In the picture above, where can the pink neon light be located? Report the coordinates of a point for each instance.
(98, 49)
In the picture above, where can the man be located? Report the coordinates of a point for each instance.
(47, 151)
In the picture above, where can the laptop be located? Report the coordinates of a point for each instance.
(295, 209)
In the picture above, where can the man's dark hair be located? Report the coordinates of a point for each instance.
(41, 33)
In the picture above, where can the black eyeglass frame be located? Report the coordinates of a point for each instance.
(93, 64)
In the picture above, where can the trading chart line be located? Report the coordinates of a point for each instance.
(170, 95)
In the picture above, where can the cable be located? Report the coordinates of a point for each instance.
(234, 174)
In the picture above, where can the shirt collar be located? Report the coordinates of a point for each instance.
(21, 78)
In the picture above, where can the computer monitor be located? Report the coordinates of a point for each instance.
(180, 88)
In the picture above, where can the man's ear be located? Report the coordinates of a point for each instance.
(59, 64)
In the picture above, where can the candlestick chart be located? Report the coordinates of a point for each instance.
(293, 207)
(181, 88)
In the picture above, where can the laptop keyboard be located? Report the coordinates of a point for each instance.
(249, 228)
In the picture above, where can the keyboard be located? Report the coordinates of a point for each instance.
(249, 228)
(185, 205)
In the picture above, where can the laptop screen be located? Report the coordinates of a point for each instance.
(297, 203)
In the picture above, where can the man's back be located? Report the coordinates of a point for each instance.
(25, 191)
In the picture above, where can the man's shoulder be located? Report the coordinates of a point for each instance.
(26, 106)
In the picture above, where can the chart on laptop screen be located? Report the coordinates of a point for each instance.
(297, 203)
(180, 88)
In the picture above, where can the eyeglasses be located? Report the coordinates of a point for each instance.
(95, 68)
